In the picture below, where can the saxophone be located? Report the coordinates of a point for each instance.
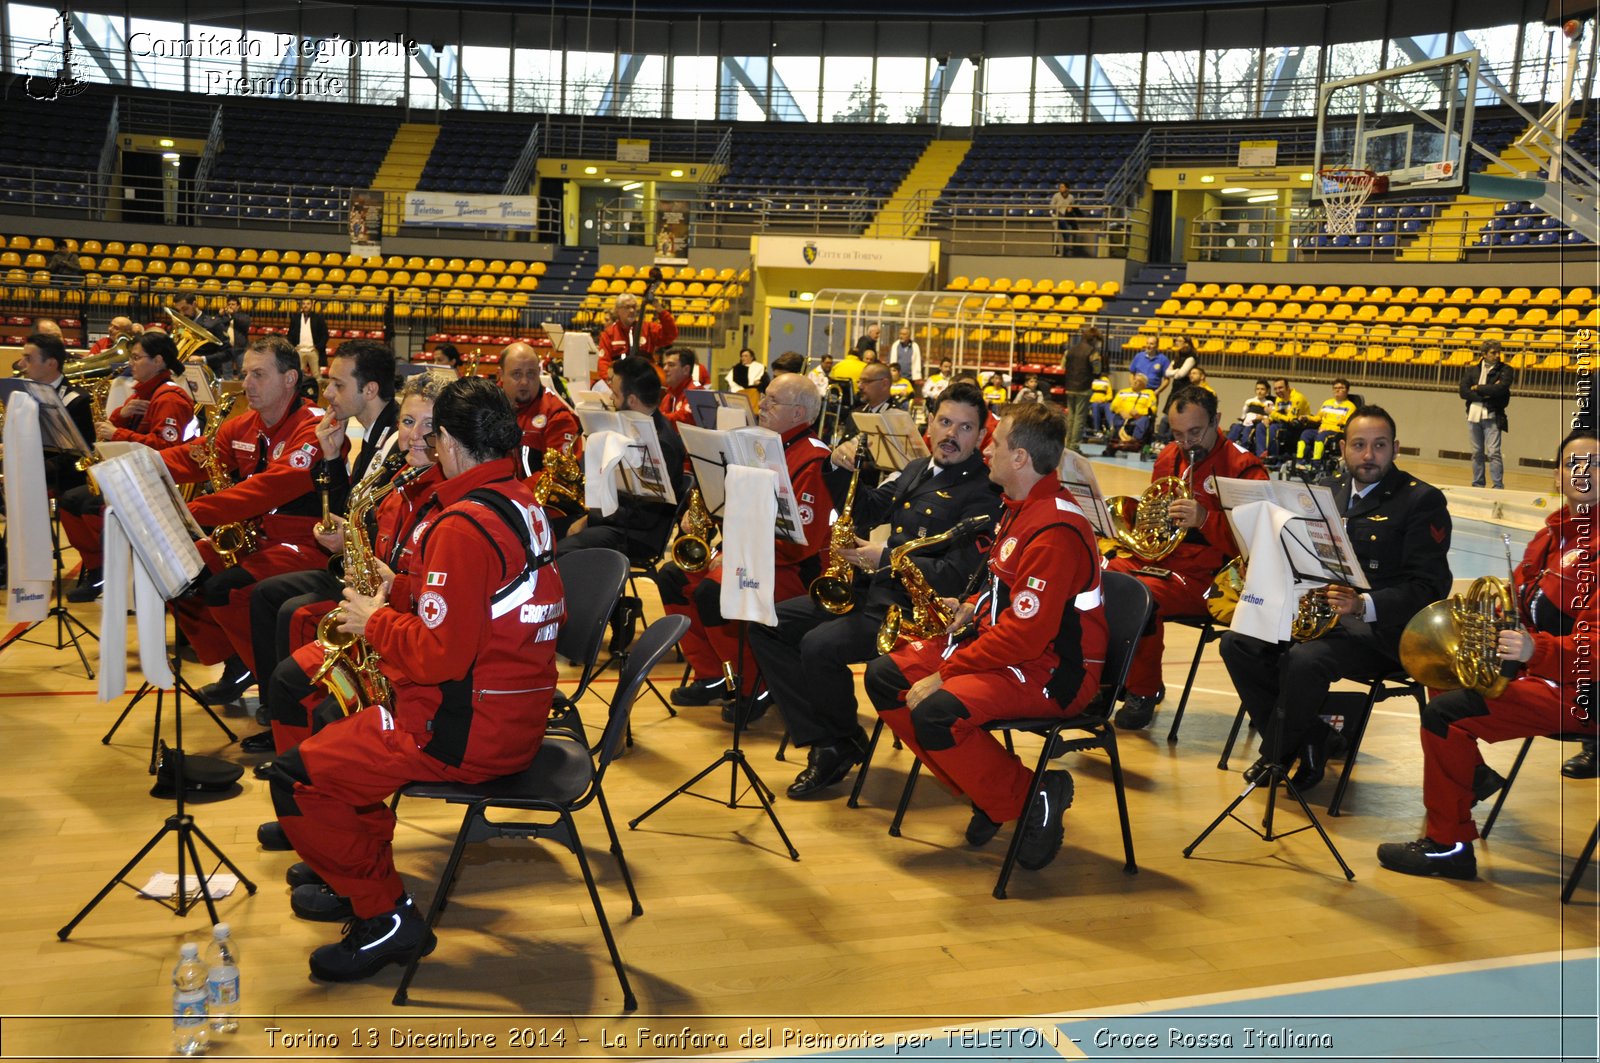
(928, 614)
(98, 390)
(563, 476)
(834, 590)
(349, 669)
(240, 537)
(691, 551)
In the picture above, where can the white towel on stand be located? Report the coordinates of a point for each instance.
(1267, 602)
(748, 545)
(28, 540)
(602, 453)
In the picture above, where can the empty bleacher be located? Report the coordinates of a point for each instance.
(474, 154)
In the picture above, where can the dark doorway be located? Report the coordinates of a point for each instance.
(1161, 228)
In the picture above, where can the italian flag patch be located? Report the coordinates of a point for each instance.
(436, 579)
(1035, 584)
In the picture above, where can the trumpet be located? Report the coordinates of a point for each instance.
(692, 551)
(1453, 644)
(834, 590)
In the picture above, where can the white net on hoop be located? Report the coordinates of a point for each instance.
(1344, 193)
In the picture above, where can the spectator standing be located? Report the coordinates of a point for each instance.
(1064, 208)
(1486, 389)
(1079, 366)
(906, 355)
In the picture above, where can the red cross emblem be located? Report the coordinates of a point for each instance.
(431, 607)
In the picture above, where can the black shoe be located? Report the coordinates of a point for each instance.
(1257, 772)
(370, 945)
(1486, 782)
(701, 692)
(301, 875)
(1042, 834)
(230, 686)
(318, 903)
(980, 828)
(827, 763)
(753, 708)
(1427, 857)
(1584, 764)
(258, 743)
(1136, 713)
(272, 838)
(263, 771)
(90, 584)
(1313, 764)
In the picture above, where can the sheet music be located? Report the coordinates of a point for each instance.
(1315, 539)
(199, 380)
(712, 408)
(589, 400)
(644, 472)
(709, 457)
(1076, 474)
(892, 438)
(136, 484)
(711, 452)
(56, 430)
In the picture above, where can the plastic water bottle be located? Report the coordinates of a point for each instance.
(190, 1032)
(222, 980)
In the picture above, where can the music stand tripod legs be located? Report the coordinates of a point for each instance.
(155, 737)
(738, 764)
(180, 823)
(1275, 773)
(69, 629)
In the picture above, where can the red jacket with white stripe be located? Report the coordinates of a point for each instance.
(166, 420)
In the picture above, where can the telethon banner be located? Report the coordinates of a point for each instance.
(464, 211)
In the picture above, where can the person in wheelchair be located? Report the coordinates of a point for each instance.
(1320, 444)
(1132, 415)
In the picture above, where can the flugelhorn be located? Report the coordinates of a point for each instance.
(834, 590)
(691, 551)
(1454, 644)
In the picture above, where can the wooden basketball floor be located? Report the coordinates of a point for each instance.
(865, 935)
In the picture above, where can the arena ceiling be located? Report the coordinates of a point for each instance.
(841, 9)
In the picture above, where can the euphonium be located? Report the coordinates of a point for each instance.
(189, 336)
(834, 590)
(1454, 644)
(928, 615)
(240, 537)
(563, 476)
(349, 668)
(691, 551)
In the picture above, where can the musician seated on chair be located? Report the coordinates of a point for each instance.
(788, 408)
(1400, 530)
(285, 610)
(547, 424)
(43, 356)
(266, 456)
(160, 414)
(679, 365)
(1550, 692)
(1132, 414)
(639, 527)
(806, 658)
(1037, 650)
(471, 659)
(1197, 455)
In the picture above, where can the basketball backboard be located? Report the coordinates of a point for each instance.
(1411, 124)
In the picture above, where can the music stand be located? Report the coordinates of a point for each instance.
(892, 439)
(161, 572)
(56, 432)
(1317, 550)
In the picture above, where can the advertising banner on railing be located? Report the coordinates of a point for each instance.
(827, 253)
(459, 210)
(672, 232)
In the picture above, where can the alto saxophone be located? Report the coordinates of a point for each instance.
(238, 537)
(98, 390)
(928, 614)
(834, 590)
(563, 476)
(692, 551)
(349, 669)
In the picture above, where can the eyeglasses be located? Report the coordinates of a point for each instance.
(874, 380)
(431, 439)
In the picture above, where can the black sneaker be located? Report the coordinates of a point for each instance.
(1427, 857)
(90, 584)
(318, 903)
(1043, 833)
(370, 945)
(301, 875)
(701, 692)
(258, 743)
(1584, 763)
(272, 837)
(230, 686)
(980, 828)
(1136, 713)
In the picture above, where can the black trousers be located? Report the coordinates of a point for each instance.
(1296, 677)
(604, 537)
(806, 661)
(273, 602)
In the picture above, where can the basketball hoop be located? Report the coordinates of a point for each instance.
(1344, 193)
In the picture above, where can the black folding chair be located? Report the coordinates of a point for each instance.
(1128, 607)
(563, 778)
(593, 581)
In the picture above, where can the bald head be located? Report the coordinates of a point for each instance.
(519, 374)
(790, 401)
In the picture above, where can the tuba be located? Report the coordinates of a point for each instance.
(1454, 644)
(190, 337)
(834, 590)
(349, 669)
(107, 362)
(563, 476)
(692, 551)
(239, 537)
(1142, 525)
(928, 615)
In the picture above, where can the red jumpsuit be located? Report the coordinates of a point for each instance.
(402, 518)
(165, 423)
(472, 660)
(706, 646)
(1039, 650)
(547, 424)
(675, 402)
(1553, 694)
(271, 465)
(653, 335)
(1197, 559)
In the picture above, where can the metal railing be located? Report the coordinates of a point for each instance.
(527, 160)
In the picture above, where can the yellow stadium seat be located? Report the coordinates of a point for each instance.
(116, 247)
(1406, 295)
(1580, 297)
(1548, 297)
(132, 265)
(1091, 305)
(1488, 297)
(607, 270)
(456, 265)
(1330, 293)
(626, 271)
(1210, 291)
(1186, 290)
(1353, 294)
(1109, 289)
(979, 284)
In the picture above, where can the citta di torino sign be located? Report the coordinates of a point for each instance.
(829, 253)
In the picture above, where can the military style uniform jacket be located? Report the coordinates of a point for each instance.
(916, 505)
(1401, 535)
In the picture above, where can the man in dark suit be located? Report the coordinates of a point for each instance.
(1486, 389)
(233, 329)
(872, 396)
(308, 333)
(806, 658)
(1400, 530)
